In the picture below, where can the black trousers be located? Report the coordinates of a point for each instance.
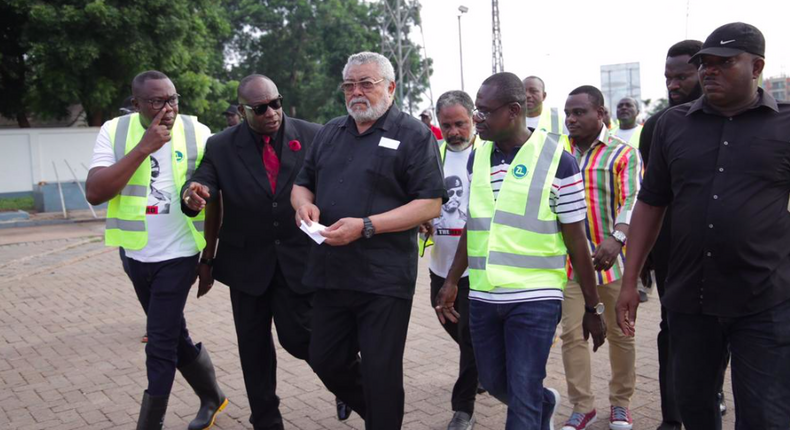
(162, 289)
(347, 324)
(253, 317)
(759, 345)
(465, 388)
(670, 411)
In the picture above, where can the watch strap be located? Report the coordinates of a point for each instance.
(207, 261)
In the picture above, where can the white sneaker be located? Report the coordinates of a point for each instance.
(556, 395)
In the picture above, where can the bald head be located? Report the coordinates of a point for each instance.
(252, 85)
(254, 92)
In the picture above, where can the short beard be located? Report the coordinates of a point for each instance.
(372, 113)
(459, 146)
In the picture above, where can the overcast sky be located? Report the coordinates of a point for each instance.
(566, 41)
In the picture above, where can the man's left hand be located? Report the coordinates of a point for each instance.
(344, 231)
(606, 254)
(205, 279)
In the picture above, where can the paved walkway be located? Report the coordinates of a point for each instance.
(71, 357)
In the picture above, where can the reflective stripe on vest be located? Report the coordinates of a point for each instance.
(126, 224)
(515, 241)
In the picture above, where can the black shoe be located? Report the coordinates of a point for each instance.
(461, 421)
(722, 403)
(343, 410)
(152, 412)
(201, 377)
(669, 426)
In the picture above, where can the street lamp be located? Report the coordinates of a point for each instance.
(462, 9)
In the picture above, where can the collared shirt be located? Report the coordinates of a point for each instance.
(728, 180)
(566, 199)
(612, 173)
(357, 175)
(277, 142)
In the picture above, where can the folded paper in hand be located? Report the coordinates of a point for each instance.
(314, 231)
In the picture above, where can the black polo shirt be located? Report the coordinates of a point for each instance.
(728, 180)
(357, 175)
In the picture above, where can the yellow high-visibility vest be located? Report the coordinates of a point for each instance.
(551, 121)
(515, 241)
(126, 224)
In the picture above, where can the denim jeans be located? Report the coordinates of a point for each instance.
(511, 343)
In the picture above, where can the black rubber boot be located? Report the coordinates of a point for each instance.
(201, 377)
(152, 412)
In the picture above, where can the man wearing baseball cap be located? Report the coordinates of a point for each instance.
(426, 117)
(723, 163)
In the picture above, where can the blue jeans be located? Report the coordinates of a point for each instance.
(511, 343)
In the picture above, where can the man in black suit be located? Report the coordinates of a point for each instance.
(262, 254)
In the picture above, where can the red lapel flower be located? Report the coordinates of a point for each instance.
(295, 145)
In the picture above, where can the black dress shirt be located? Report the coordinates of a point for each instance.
(356, 175)
(728, 180)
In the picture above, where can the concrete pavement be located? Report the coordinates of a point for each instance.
(71, 357)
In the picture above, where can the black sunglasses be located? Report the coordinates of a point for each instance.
(263, 107)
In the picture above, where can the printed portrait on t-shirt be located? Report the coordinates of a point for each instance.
(452, 216)
(158, 200)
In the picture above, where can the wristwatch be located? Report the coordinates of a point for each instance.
(597, 309)
(368, 230)
(620, 237)
(207, 261)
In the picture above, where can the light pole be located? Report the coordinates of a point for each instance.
(462, 9)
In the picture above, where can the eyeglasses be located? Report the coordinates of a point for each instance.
(483, 115)
(348, 87)
(159, 104)
(263, 107)
(458, 192)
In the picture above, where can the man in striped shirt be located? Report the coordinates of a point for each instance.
(515, 244)
(612, 173)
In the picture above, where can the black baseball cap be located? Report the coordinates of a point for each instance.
(732, 39)
(231, 110)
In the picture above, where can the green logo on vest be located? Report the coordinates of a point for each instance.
(179, 156)
(519, 171)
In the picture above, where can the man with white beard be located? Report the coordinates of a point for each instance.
(372, 177)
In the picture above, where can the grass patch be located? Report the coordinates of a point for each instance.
(16, 203)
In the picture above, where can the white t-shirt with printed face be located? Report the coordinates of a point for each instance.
(450, 224)
(169, 236)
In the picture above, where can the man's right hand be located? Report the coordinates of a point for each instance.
(426, 228)
(309, 213)
(195, 196)
(155, 137)
(445, 303)
(593, 325)
(627, 304)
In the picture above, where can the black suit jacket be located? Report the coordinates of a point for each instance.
(258, 227)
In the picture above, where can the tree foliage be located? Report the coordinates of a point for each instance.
(302, 45)
(58, 53)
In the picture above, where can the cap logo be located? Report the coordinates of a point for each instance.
(724, 42)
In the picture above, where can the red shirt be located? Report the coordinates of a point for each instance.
(436, 132)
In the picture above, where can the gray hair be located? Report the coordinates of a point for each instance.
(360, 58)
(452, 98)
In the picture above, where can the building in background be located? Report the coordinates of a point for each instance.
(618, 81)
(779, 87)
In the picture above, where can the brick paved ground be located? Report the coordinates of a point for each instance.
(71, 357)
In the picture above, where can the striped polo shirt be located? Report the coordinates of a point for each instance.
(612, 174)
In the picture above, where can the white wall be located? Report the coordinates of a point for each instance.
(26, 155)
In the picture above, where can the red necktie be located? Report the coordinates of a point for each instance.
(270, 162)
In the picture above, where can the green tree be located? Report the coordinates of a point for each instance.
(656, 106)
(13, 63)
(303, 45)
(88, 51)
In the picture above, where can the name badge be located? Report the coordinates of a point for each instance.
(389, 143)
